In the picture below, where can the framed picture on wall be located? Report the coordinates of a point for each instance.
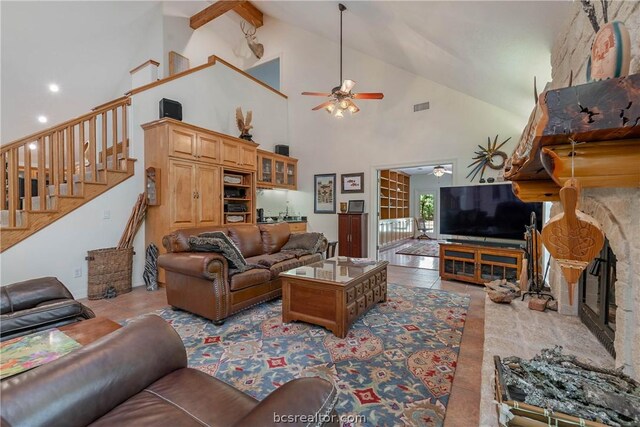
(324, 190)
(352, 182)
(356, 206)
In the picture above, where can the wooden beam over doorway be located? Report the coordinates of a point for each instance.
(244, 8)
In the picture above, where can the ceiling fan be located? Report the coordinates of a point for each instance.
(440, 171)
(341, 96)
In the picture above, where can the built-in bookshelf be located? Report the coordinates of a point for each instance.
(394, 194)
(238, 196)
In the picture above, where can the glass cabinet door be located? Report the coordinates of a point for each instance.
(280, 172)
(266, 169)
(291, 175)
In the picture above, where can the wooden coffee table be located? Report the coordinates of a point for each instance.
(332, 293)
(88, 331)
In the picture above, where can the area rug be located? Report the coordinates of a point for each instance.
(422, 248)
(395, 367)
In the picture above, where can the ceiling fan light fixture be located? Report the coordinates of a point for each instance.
(339, 114)
(330, 108)
(439, 171)
(353, 109)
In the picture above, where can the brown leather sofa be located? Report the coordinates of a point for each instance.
(199, 282)
(138, 376)
(37, 304)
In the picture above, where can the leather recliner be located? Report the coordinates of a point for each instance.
(138, 376)
(37, 304)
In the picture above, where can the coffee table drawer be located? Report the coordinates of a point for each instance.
(351, 296)
(352, 312)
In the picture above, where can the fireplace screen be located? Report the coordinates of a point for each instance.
(597, 299)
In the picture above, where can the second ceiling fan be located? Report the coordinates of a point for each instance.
(341, 97)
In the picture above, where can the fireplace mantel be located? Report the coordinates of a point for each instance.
(602, 117)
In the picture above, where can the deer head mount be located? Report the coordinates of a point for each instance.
(252, 41)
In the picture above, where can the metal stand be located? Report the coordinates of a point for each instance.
(536, 286)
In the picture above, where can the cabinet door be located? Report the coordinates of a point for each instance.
(355, 224)
(292, 175)
(248, 157)
(182, 143)
(265, 169)
(230, 153)
(208, 148)
(344, 248)
(182, 188)
(208, 197)
(279, 173)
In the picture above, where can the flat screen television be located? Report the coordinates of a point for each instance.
(485, 211)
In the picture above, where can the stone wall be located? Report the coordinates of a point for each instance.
(618, 210)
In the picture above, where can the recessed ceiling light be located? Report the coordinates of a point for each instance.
(42, 119)
(54, 88)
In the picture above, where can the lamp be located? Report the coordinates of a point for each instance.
(439, 171)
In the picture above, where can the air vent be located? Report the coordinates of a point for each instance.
(420, 107)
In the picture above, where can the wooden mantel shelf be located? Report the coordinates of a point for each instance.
(603, 117)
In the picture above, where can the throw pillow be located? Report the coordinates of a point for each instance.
(217, 241)
(307, 241)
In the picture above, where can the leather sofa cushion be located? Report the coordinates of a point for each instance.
(310, 259)
(178, 241)
(28, 294)
(247, 238)
(278, 268)
(41, 315)
(249, 278)
(186, 397)
(269, 260)
(274, 236)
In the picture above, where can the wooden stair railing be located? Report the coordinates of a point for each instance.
(67, 161)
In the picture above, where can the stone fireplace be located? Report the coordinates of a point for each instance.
(597, 297)
(618, 211)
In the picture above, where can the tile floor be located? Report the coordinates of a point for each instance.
(464, 402)
(417, 261)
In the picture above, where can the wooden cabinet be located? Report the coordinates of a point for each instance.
(238, 154)
(192, 145)
(298, 227)
(479, 264)
(395, 193)
(194, 194)
(352, 235)
(192, 162)
(277, 171)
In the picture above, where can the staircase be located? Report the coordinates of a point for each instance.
(49, 174)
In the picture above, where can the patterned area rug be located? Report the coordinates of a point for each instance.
(395, 366)
(423, 248)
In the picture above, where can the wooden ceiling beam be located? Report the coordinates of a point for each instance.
(245, 9)
(249, 13)
(210, 13)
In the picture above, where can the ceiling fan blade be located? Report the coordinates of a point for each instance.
(323, 105)
(347, 85)
(316, 93)
(368, 95)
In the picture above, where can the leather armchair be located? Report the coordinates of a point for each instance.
(36, 305)
(138, 376)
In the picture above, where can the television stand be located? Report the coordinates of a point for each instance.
(512, 245)
(477, 262)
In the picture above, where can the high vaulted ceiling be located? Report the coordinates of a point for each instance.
(490, 50)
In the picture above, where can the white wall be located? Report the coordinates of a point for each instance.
(209, 99)
(87, 48)
(385, 133)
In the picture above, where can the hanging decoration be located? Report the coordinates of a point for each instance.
(490, 156)
(572, 237)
